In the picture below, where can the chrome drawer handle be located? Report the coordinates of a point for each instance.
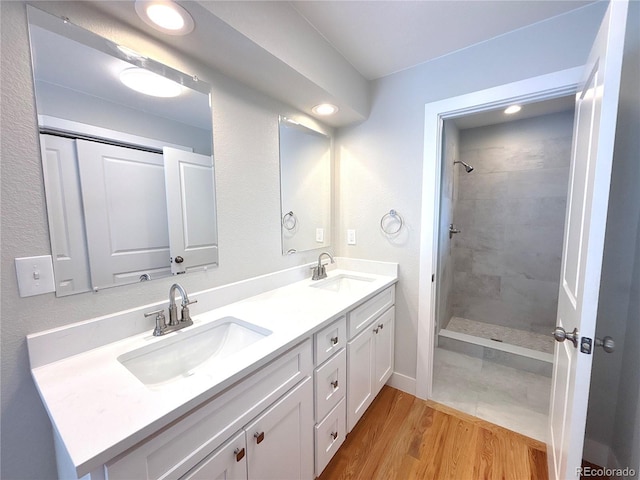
(334, 340)
(381, 326)
(334, 384)
(334, 435)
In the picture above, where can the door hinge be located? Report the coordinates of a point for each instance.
(433, 277)
(585, 345)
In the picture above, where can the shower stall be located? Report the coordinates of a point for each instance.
(502, 209)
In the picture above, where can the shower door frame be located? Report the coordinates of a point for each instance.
(544, 87)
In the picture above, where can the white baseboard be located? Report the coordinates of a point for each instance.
(402, 382)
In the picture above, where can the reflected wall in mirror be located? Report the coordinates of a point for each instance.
(305, 187)
(129, 179)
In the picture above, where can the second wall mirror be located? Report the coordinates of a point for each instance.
(305, 187)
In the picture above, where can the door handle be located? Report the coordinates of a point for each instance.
(452, 230)
(560, 334)
(607, 344)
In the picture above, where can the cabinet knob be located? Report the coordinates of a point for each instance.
(381, 326)
(334, 340)
(259, 436)
(334, 384)
(334, 435)
(239, 453)
(375, 330)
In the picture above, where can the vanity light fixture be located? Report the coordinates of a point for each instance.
(325, 109)
(165, 16)
(512, 109)
(149, 83)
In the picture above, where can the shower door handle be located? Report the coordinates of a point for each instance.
(452, 230)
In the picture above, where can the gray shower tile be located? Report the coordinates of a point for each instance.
(477, 285)
(552, 182)
(479, 185)
(548, 211)
(532, 294)
(462, 259)
(533, 265)
(534, 239)
(480, 237)
(557, 152)
(489, 262)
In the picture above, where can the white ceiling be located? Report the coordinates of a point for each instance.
(382, 37)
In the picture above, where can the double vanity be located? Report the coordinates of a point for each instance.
(266, 383)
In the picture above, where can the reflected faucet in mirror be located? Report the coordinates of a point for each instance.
(320, 271)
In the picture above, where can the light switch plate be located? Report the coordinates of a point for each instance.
(351, 237)
(319, 235)
(35, 275)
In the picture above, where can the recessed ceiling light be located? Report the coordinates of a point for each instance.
(324, 109)
(165, 15)
(512, 109)
(149, 83)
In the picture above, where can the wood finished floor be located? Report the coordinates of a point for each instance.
(402, 437)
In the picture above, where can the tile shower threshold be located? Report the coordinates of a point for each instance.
(501, 346)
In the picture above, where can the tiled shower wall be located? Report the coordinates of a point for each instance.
(510, 211)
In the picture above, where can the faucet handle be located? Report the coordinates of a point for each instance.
(161, 322)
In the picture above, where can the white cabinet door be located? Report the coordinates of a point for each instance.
(123, 192)
(193, 232)
(65, 214)
(280, 441)
(384, 338)
(360, 381)
(229, 462)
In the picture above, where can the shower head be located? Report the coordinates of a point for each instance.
(467, 167)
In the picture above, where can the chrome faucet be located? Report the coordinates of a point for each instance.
(174, 323)
(319, 271)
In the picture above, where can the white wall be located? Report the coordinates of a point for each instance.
(380, 161)
(247, 181)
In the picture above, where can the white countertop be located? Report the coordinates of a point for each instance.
(100, 409)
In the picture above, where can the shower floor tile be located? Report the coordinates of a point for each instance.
(502, 395)
(521, 338)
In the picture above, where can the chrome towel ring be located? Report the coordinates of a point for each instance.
(289, 221)
(389, 220)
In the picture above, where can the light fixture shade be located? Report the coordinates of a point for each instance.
(149, 83)
(325, 109)
(165, 16)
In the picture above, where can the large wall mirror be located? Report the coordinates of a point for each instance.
(305, 187)
(129, 177)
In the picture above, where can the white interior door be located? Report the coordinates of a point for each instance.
(191, 210)
(124, 199)
(592, 154)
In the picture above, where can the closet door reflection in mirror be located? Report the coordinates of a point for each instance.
(120, 207)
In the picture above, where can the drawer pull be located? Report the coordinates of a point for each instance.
(259, 436)
(334, 384)
(334, 340)
(381, 326)
(375, 330)
(239, 453)
(334, 435)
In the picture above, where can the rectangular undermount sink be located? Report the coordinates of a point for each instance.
(342, 283)
(185, 352)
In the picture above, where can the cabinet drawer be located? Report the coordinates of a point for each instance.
(360, 317)
(330, 339)
(331, 383)
(173, 451)
(330, 434)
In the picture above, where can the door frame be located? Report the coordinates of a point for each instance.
(543, 87)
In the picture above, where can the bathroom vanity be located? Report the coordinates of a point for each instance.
(266, 383)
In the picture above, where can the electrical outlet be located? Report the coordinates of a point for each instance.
(35, 275)
(351, 237)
